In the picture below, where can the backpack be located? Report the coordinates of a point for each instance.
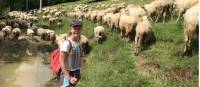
(55, 61)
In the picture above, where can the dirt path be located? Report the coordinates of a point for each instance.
(147, 67)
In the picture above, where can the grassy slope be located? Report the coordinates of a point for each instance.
(112, 64)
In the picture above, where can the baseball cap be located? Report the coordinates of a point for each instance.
(76, 23)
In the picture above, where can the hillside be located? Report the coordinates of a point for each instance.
(113, 63)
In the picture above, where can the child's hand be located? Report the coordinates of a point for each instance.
(73, 80)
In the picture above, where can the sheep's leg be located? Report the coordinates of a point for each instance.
(157, 18)
(186, 44)
(122, 33)
(136, 43)
(127, 33)
(172, 15)
(179, 16)
(139, 43)
(112, 28)
(126, 36)
(164, 16)
(151, 18)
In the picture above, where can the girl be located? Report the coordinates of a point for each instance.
(70, 56)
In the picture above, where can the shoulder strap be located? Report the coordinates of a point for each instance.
(69, 44)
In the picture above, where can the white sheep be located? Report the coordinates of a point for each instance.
(30, 33)
(93, 16)
(136, 11)
(6, 31)
(183, 5)
(159, 8)
(114, 21)
(143, 33)
(42, 33)
(127, 26)
(52, 36)
(60, 39)
(191, 26)
(99, 33)
(107, 18)
(16, 33)
(100, 14)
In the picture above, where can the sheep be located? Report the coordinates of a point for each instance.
(2, 24)
(191, 27)
(30, 33)
(127, 26)
(15, 25)
(136, 11)
(51, 35)
(115, 8)
(60, 39)
(183, 5)
(16, 33)
(47, 17)
(93, 16)
(34, 28)
(106, 18)
(42, 33)
(44, 17)
(100, 15)
(52, 20)
(58, 13)
(99, 33)
(6, 31)
(53, 38)
(114, 21)
(84, 44)
(159, 8)
(143, 33)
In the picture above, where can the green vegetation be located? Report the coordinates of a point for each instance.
(113, 64)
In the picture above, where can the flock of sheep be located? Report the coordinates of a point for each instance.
(14, 29)
(132, 20)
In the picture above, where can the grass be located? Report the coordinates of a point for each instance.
(112, 64)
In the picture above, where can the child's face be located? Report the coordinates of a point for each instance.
(76, 31)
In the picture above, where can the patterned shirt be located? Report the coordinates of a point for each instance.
(73, 61)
